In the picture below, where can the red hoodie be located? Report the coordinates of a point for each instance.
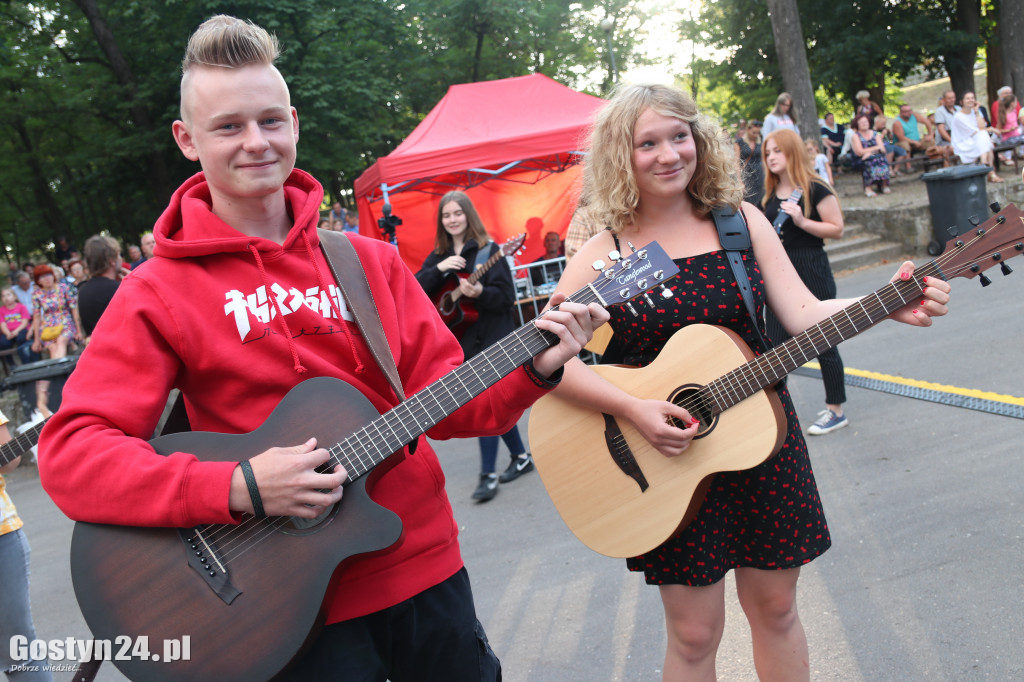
(200, 317)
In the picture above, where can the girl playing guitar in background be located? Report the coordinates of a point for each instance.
(462, 243)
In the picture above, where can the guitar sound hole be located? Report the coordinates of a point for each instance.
(299, 526)
(693, 401)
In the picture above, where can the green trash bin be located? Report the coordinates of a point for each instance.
(955, 195)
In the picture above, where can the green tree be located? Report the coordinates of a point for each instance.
(91, 89)
(850, 46)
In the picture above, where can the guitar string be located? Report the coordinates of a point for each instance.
(753, 375)
(249, 532)
(235, 540)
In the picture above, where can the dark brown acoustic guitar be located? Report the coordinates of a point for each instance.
(249, 596)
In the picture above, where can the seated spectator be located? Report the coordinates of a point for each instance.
(869, 156)
(944, 114)
(832, 136)
(14, 327)
(865, 107)
(103, 256)
(351, 223)
(24, 287)
(782, 116)
(913, 132)
(970, 135)
(892, 150)
(549, 272)
(1006, 121)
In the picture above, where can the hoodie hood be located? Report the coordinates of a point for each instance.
(178, 235)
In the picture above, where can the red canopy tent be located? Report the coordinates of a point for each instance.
(525, 132)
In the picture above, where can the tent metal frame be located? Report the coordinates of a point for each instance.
(462, 180)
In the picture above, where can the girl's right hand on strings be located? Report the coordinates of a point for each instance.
(657, 422)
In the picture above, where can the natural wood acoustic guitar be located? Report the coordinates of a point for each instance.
(621, 497)
(249, 596)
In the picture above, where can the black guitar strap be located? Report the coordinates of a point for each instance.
(735, 238)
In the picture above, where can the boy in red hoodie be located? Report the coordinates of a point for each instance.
(236, 308)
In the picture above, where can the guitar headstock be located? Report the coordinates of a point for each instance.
(992, 243)
(513, 246)
(627, 278)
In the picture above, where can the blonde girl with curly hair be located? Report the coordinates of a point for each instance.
(656, 168)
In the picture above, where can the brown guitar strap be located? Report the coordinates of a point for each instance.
(341, 257)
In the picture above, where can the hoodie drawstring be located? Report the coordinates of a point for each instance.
(360, 368)
(299, 369)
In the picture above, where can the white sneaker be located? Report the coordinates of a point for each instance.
(827, 422)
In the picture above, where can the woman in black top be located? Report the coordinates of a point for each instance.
(462, 243)
(817, 217)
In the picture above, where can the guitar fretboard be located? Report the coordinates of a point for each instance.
(20, 444)
(769, 368)
(371, 445)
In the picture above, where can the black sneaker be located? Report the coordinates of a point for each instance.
(487, 489)
(519, 466)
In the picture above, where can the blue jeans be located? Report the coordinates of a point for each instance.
(489, 448)
(15, 611)
(24, 347)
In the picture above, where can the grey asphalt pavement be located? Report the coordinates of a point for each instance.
(923, 500)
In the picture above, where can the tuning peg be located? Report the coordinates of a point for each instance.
(614, 255)
(647, 297)
(631, 247)
(598, 265)
(985, 281)
(666, 293)
(994, 206)
(626, 263)
(973, 220)
(1005, 269)
(629, 306)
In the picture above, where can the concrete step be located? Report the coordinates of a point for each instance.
(874, 252)
(856, 243)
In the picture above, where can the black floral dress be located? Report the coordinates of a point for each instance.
(768, 517)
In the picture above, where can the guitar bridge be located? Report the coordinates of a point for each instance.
(620, 452)
(204, 560)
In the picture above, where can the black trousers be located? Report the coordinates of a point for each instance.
(813, 267)
(433, 637)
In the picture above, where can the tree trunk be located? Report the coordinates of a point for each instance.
(995, 74)
(159, 180)
(792, 53)
(1011, 33)
(960, 62)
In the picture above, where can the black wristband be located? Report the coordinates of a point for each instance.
(254, 491)
(540, 381)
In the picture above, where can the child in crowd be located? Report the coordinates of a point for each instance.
(14, 326)
(819, 161)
